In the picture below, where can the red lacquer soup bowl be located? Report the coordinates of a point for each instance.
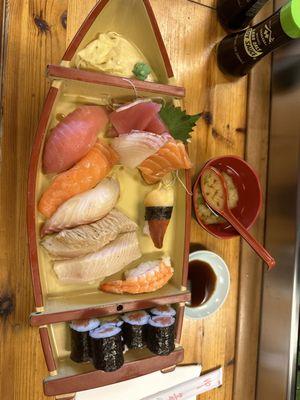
(248, 187)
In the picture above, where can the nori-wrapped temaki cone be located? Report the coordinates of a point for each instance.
(107, 348)
(161, 335)
(163, 311)
(80, 342)
(135, 329)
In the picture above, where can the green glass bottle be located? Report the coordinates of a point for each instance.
(238, 52)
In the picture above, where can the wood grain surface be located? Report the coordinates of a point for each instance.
(37, 34)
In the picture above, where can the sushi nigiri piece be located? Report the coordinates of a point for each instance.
(89, 171)
(147, 277)
(170, 157)
(134, 116)
(109, 260)
(135, 147)
(84, 208)
(90, 238)
(73, 137)
(158, 211)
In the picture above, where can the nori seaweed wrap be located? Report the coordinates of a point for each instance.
(161, 335)
(80, 342)
(163, 311)
(107, 348)
(135, 329)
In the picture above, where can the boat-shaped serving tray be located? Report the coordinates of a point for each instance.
(57, 303)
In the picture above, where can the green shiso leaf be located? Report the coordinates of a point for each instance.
(179, 123)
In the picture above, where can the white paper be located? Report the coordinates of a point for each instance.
(138, 388)
(188, 389)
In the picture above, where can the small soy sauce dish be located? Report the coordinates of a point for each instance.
(209, 283)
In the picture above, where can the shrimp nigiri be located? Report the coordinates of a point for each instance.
(83, 176)
(73, 137)
(170, 157)
(147, 277)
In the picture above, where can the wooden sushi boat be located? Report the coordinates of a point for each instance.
(56, 304)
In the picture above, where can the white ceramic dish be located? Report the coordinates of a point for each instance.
(222, 286)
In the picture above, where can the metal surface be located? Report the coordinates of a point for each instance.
(280, 302)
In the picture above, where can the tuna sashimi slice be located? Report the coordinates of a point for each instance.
(135, 147)
(157, 126)
(73, 137)
(134, 116)
(109, 260)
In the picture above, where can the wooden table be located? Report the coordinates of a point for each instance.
(235, 121)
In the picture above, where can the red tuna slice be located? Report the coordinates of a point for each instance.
(156, 126)
(135, 116)
(73, 137)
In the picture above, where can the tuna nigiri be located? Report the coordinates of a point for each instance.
(87, 239)
(73, 137)
(90, 170)
(135, 116)
(84, 208)
(109, 260)
(135, 147)
(170, 157)
(147, 277)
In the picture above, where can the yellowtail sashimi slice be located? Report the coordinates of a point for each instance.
(87, 239)
(147, 277)
(84, 208)
(96, 266)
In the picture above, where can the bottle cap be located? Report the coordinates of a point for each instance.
(290, 19)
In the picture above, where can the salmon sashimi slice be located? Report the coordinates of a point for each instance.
(147, 277)
(73, 137)
(89, 171)
(84, 208)
(90, 238)
(134, 116)
(170, 157)
(109, 260)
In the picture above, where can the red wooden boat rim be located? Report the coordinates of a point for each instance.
(31, 207)
(38, 319)
(71, 50)
(58, 71)
(54, 386)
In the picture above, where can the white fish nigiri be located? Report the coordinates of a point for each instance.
(85, 239)
(85, 207)
(136, 146)
(109, 260)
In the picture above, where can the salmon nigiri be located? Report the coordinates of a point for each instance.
(170, 157)
(147, 277)
(90, 170)
(73, 137)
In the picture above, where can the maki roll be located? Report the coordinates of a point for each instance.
(163, 311)
(135, 329)
(107, 347)
(161, 335)
(80, 342)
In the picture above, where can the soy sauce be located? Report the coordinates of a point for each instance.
(202, 280)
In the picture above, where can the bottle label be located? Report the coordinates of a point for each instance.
(251, 45)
